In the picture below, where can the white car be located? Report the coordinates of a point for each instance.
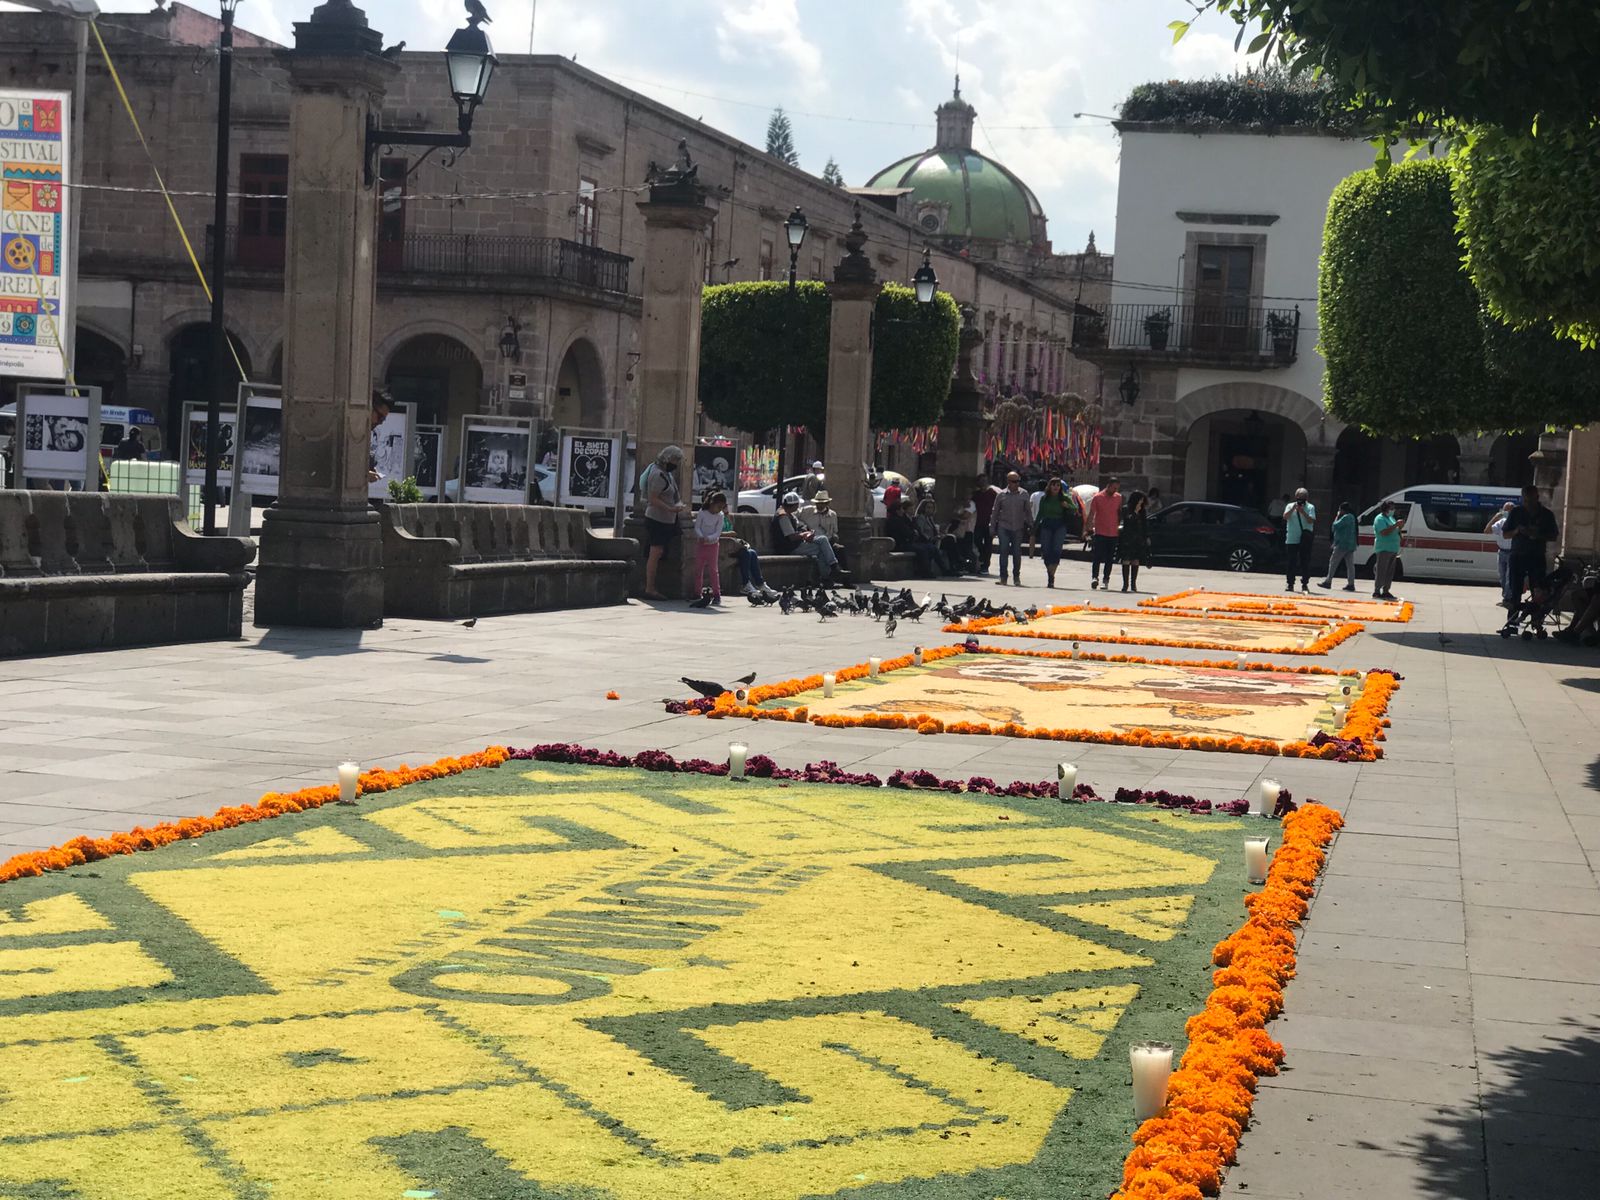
(763, 502)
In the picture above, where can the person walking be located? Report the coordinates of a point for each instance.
(1133, 543)
(1344, 548)
(1012, 509)
(662, 506)
(1386, 531)
(1299, 528)
(1502, 541)
(812, 483)
(1050, 519)
(982, 540)
(1104, 524)
(1532, 527)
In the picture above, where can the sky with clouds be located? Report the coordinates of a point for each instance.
(860, 78)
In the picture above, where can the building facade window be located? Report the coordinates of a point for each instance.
(1226, 279)
(263, 223)
(766, 259)
(588, 211)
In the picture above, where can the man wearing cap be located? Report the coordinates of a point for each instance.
(812, 483)
(791, 535)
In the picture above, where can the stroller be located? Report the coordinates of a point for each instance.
(1547, 605)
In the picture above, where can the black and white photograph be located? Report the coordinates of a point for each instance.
(716, 465)
(494, 463)
(260, 446)
(195, 452)
(588, 468)
(390, 451)
(55, 437)
(426, 445)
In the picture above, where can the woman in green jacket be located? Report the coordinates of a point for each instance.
(1133, 543)
(1344, 548)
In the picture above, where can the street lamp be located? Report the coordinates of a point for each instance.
(925, 280)
(470, 61)
(795, 229)
(1128, 389)
(510, 344)
(219, 259)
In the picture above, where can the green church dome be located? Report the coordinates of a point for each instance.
(959, 193)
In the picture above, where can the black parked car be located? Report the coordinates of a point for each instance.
(1223, 535)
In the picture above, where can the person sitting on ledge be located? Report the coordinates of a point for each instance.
(791, 535)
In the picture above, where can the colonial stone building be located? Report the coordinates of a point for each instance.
(534, 231)
(1209, 340)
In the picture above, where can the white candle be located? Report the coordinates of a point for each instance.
(1312, 731)
(742, 696)
(1241, 658)
(1066, 779)
(349, 778)
(737, 751)
(1255, 859)
(873, 664)
(1074, 649)
(1339, 711)
(1345, 689)
(1152, 1065)
(1266, 798)
(916, 655)
(827, 686)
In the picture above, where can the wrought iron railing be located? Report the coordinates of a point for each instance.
(1203, 329)
(457, 254)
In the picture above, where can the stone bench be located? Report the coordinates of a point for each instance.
(467, 560)
(91, 570)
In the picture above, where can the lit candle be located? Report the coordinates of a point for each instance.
(742, 696)
(916, 655)
(1074, 649)
(873, 664)
(1339, 711)
(1241, 658)
(827, 686)
(1122, 631)
(1066, 779)
(1152, 1065)
(349, 778)
(1312, 731)
(737, 751)
(1345, 689)
(1255, 859)
(1265, 801)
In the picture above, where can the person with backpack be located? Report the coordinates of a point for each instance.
(658, 487)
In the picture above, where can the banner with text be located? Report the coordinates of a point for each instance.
(35, 234)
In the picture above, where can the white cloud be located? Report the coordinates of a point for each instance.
(1201, 55)
(755, 31)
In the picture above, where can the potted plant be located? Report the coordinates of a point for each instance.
(1282, 328)
(1088, 329)
(1156, 327)
(404, 491)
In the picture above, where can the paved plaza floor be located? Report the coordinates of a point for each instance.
(1441, 1033)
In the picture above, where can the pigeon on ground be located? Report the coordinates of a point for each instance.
(786, 601)
(469, 622)
(704, 601)
(712, 690)
(889, 625)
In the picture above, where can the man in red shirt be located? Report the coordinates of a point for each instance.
(1105, 518)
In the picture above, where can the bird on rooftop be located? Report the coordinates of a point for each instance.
(476, 13)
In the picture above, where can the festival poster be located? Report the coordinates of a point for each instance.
(495, 459)
(34, 231)
(260, 446)
(55, 436)
(716, 466)
(427, 456)
(195, 444)
(587, 470)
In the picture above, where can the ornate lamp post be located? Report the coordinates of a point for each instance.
(1128, 389)
(470, 61)
(795, 230)
(925, 281)
(510, 343)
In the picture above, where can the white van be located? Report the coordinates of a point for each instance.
(1444, 534)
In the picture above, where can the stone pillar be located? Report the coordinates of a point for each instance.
(677, 216)
(962, 429)
(853, 292)
(1580, 509)
(321, 545)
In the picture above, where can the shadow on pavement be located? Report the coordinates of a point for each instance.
(1540, 1107)
(313, 643)
(1492, 644)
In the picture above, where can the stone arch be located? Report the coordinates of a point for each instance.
(578, 396)
(383, 353)
(1265, 398)
(440, 376)
(119, 340)
(250, 348)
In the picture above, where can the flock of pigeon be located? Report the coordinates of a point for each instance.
(880, 604)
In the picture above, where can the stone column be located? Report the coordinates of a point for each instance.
(677, 216)
(962, 429)
(853, 293)
(321, 545)
(1580, 510)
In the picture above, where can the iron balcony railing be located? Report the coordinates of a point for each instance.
(457, 254)
(1197, 330)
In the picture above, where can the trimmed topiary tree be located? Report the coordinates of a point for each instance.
(1399, 317)
(764, 356)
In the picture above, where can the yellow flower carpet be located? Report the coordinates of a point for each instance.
(1157, 627)
(1301, 604)
(543, 981)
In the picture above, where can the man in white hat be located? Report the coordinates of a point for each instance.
(812, 483)
(822, 518)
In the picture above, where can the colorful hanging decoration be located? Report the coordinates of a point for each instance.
(1057, 433)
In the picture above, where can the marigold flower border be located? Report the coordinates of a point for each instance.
(1182, 1152)
(1357, 741)
(1334, 631)
(1270, 605)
